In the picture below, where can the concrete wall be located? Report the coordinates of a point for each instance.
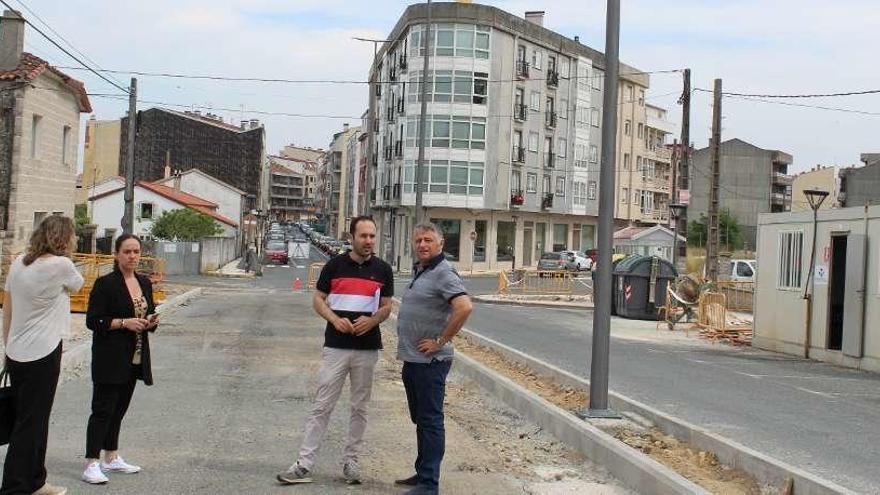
(100, 154)
(217, 251)
(780, 314)
(862, 185)
(745, 184)
(41, 184)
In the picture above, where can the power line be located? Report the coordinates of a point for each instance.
(802, 105)
(35, 28)
(35, 15)
(826, 95)
(326, 81)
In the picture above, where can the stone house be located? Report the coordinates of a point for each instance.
(40, 109)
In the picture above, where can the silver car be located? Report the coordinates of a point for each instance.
(559, 261)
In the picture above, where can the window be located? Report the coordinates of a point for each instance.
(145, 211)
(36, 128)
(560, 186)
(447, 131)
(505, 239)
(445, 86)
(598, 80)
(595, 117)
(626, 161)
(583, 77)
(564, 67)
(515, 182)
(591, 190)
(537, 59)
(625, 196)
(551, 104)
(551, 63)
(444, 42)
(521, 53)
(579, 193)
(517, 139)
(38, 218)
(641, 131)
(443, 176)
(548, 150)
(451, 236)
(627, 127)
(545, 185)
(580, 155)
(562, 109)
(531, 182)
(536, 101)
(533, 141)
(519, 97)
(481, 85)
(629, 93)
(561, 144)
(65, 143)
(480, 241)
(582, 116)
(560, 236)
(641, 97)
(789, 260)
(594, 153)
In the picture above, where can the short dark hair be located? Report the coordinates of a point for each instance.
(352, 227)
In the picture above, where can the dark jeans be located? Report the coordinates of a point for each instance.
(425, 386)
(109, 404)
(33, 386)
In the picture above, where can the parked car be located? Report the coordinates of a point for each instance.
(581, 262)
(559, 261)
(743, 270)
(593, 254)
(276, 251)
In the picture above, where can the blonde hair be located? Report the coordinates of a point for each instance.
(52, 236)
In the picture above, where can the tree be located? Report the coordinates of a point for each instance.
(729, 232)
(81, 215)
(184, 224)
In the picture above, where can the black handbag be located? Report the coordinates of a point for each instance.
(7, 408)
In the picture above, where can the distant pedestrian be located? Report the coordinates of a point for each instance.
(36, 316)
(354, 295)
(435, 305)
(121, 315)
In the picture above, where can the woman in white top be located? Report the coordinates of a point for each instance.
(36, 316)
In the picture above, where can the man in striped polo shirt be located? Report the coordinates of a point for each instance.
(354, 295)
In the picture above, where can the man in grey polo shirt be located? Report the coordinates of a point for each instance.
(434, 308)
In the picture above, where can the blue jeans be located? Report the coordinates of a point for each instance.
(425, 385)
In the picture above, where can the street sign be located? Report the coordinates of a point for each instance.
(298, 250)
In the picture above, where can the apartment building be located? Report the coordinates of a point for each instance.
(514, 116)
(818, 177)
(100, 154)
(753, 180)
(289, 188)
(311, 159)
(40, 109)
(332, 190)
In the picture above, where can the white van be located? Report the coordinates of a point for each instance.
(743, 270)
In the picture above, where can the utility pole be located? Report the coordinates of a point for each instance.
(128, 215)
(680, 179)
(423, 120)
(712, 246)
(602, 312)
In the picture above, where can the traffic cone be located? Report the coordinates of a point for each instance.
(297, 284)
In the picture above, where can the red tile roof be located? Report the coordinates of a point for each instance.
(30, 66)
(178, 196)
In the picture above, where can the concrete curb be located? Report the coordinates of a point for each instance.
(538, 304)
(764, 468)
(179, 300)
(634, 469)
(229, 275)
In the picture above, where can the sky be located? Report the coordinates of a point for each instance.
(754, 46)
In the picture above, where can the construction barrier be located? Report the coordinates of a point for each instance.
(314, 273)
(740, 295)
(541, 282)
(715, 323)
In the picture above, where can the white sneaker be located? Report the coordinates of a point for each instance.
(94, 475)
(120, 466)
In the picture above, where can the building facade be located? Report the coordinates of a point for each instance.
(752, 181)
(187, 140)
(332, 184)
(513, 137)
(289, 186)
(819, 177)
(40, 110)
(311, 156)
(100, 154)
(844, 328)
(861, 185)
(229, 200)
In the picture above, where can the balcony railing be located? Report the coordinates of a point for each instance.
(520, 112)
(392, 74)
(518, 155)
(549, 159)
(389, 153)
(386, 193)
(782, 179)
(777, 198)
(401, 105)
(402, 62)
(396, 191)
(552, 78)
(547, 202)
(398, 149)
(522, 69)
(516, 197)
(550, 119)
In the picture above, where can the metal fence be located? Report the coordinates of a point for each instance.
(181, 258)
(740, 296)
(527, 282)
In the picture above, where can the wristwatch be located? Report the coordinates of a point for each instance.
(440, 341)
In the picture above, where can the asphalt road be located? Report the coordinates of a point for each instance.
(818, 417)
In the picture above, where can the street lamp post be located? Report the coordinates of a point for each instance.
(675, 210)
(815, 197)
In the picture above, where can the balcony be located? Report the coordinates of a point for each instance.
(516, 197)
(522, 69)
(549, 160)
(386, 193)
(396, 191)
(402, 62)
(390, 115)
(781, 179)
(660, 154)
(401, 106)
(520, 112)
(398, 149)
(547, 202)
(778, 198)
(392, 74)
(550, 119)
(389, 153)
(552, 78)
(518, 155)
